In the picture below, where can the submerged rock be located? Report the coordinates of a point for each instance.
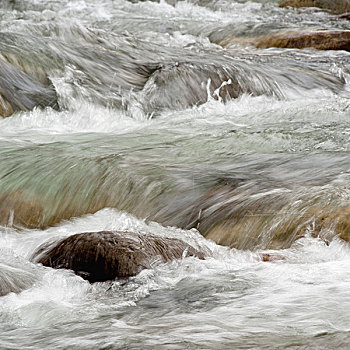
(20, 92)
(184, 85)
(136, 76)
(234, 215)
(187, 84)
(254, 215)
(345, 16)
(5, 107)
(330, 221)
(320, 40)
(105, 255)
(45, 191)
(334, 6)
(280, 229)
(20, 210)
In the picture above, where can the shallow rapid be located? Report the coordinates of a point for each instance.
(163, 118)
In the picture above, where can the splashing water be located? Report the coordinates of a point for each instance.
(129, 116)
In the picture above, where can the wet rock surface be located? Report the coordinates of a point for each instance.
(20, 210)
(320, 40)
(20, 92)
(102, 256)
(334, 6)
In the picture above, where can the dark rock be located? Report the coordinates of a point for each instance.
(102, 256)
(334, 6)
(320, 40)
(345, 16)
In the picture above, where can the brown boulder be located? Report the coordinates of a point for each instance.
(334, 6)
(102, 256)
(320, 40)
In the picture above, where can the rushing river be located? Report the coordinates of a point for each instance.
(157, 129)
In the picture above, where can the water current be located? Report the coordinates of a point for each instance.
(153, 127)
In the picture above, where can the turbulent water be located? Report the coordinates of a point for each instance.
(153, 127)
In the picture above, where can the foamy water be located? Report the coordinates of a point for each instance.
(124, 152)
(231, 299)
